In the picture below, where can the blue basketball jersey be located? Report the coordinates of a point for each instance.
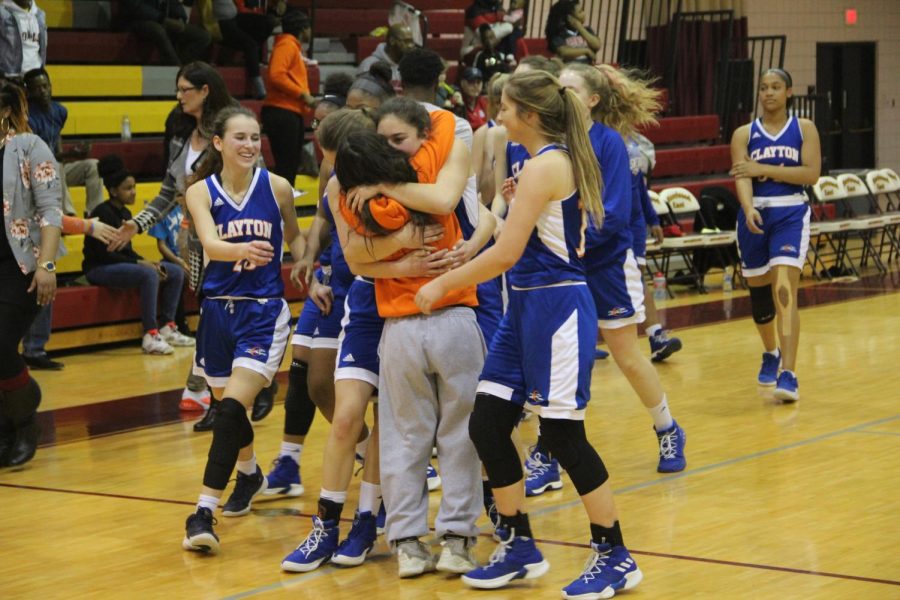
(258, 217)
(554, 249)
(613, 239)
(341, 276)
(781, 150)
(516, 155)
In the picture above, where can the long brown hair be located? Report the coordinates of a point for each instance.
(561, 118)
(627, 102)
(335, 128)
(13, 97)
(212, 161)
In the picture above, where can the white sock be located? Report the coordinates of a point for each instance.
(369, 497)
(292, 450)
(210, 502)
(336, 497)
(776, 352)
(654, 329)
(662, 418)
(247, 467)
(362, 446)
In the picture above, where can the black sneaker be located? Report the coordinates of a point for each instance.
(264, 402)
(199, 535)
(25, 443)
(245, 490)
(206, 423)
(43, 363)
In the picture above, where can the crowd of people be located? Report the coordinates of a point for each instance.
(465, 262)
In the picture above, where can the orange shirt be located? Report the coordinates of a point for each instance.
(396, 297)
(286, 78)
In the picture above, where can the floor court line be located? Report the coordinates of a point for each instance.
(876, 432)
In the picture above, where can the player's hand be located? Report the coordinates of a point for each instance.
(429, 294)
(103, 232)
(358, 195)
(657, 232)
(259, 253)
(754, 221)
(124, 234)
(508, 191)
(460, 254)
(322, 295)
(302, 273)
(412, 236)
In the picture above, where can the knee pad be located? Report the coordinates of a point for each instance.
(762, 304)
(229, 434)
(21, 403)
(490, 428)
(566, 440)
(299, 409)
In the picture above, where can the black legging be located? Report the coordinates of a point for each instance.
(285, 131)
(15, 321)
(235, 37)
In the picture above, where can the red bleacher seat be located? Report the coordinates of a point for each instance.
(386, 4)
(677, 162)
(99, 47)
(684, 130)
(537, 46)
(341, 22)
(84, 306)
(445, 21)
(447, 47)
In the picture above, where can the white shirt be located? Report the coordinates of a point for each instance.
(191, 158)
(31, 34)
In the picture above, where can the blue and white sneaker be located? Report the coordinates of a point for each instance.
(318, 547)
(600, 354)
(787, 389)
(514, 558)
(608, 570)
(768, 372)
(543, 473)
(433, 479)
(380, 520)
(662, 346)
(671, 449)
(284, 478)
(352, 552)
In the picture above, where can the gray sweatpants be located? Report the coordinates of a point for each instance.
(429, 371)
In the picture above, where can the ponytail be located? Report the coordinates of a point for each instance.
(585, 166)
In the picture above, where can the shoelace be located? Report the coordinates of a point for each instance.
(499, 554)
(535, 465)
(594, 565)
(667, 444)
(314, 538)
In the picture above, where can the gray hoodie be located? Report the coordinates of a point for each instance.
(379, 54)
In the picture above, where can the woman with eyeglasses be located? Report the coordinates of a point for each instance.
(288, 99)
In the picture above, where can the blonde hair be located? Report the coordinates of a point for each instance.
(494, 92)
(627, 102)
(561, 118)
(334, 128)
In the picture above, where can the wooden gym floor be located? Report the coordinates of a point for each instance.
(778, 501)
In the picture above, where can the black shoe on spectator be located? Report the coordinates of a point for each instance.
(25, 444)
(264, 402)
(206, 423)
(43, 363)
(7, 439)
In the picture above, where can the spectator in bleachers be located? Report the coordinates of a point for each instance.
(47, 119)
(475, 104)
(162, 22)
(125, 268)
(567, 35)
(289, 99)
(234, 36)
(398, 42)
(29, 243)
(167, 233)
(490, 60)
(23, 37)
(371, 88)
(507, 27)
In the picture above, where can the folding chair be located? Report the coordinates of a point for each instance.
(683, 204)
(828, 191)
(868, 226)
(884, 185)
(657, 253)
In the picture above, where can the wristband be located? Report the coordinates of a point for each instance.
(91, 228)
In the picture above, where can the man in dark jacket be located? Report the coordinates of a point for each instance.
(163, 22)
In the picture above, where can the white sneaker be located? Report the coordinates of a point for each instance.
(456, 555)
(154, 344)
(414, 558)
(173, 337)
(191, 400)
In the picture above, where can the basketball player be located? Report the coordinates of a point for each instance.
(243, 216)
(773, 158)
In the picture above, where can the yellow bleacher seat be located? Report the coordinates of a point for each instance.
(104, 118)
(96, 80)
(60, 13)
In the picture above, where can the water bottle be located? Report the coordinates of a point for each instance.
(126, 129)
(659, 287)
(728, 282)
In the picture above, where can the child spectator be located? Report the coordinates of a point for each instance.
(475, 104)
(490, 59)
(166, 233)
(567, 35)
(126, 268)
